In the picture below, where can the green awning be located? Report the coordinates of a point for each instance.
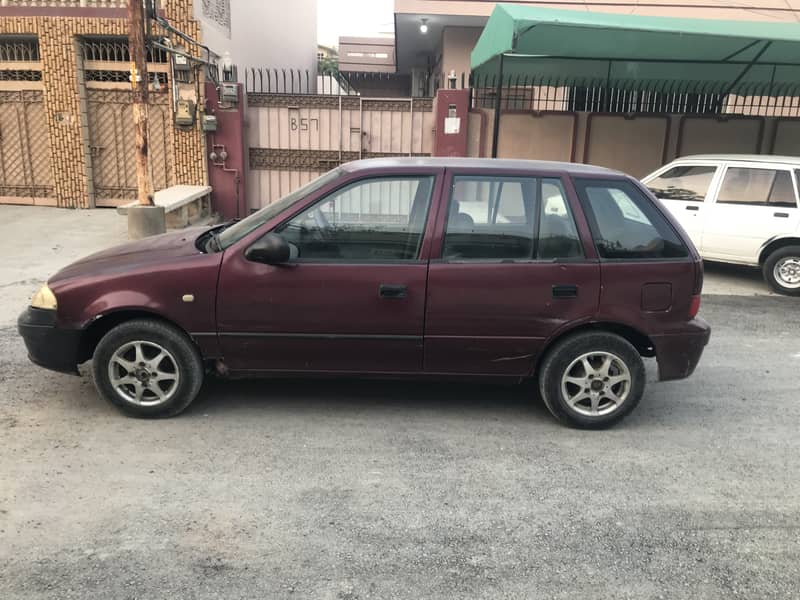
(572, 46)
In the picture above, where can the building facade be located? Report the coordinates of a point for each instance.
(454, 26)
(66, 130)
(259, 33)
(65, 113)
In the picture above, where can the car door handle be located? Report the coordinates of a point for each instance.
(388, 290)
(565, 291)
(690, 207)
(782, 215)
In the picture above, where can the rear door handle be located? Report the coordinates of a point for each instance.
(388, 290)
(690, 207)
(565, 291)
(782, 215)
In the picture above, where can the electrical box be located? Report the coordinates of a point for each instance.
(181, 63)
(229, 93)
(209, 123)
(185, 112)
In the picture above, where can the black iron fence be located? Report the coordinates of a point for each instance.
(538, 94)
(600, 95)
(296, 81)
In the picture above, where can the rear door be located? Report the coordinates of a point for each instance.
(754, 203)
(649, 273)
(685, 190)
(508, 269)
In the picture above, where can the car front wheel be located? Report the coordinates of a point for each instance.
(592, 380)
(147, 368)
(782, 270)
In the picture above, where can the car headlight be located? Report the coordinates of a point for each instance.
(44, 299)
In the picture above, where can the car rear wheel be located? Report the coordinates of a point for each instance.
(148, 369)
(782, 270)
(592, 380)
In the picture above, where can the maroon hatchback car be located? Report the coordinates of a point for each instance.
(495, 269)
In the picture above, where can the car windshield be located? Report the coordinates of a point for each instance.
(237, 231)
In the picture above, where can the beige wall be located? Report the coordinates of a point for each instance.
(787, 137)
(636, 146)
(457, 44)
(772, 10)
(633, 145)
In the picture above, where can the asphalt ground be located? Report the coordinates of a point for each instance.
(354, 489)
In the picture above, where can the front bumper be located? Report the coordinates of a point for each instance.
(48, 345)
(679, 353)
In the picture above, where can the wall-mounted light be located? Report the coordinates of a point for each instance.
(423, 27)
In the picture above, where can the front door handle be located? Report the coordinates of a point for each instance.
(782, 215)
(565, 291)
(388, 290)
(690, 207)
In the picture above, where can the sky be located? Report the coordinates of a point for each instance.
(353, 17)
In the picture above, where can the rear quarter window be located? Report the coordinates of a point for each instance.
(625, 223)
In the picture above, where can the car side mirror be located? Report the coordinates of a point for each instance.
(272, 249)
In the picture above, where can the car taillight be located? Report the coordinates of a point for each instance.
(694, 306)
(697, 288)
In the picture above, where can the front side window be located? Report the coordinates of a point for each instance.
(238, 230)
(625, 222)
(758, 187)
(509, 218)
(368, 220)
(684, 182)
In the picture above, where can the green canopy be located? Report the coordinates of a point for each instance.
(639, 52)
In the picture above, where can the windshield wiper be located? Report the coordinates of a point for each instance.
(213, 234)
(214, 237)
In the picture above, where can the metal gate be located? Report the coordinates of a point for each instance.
(293, 138)
(111, 141)
(25, 174)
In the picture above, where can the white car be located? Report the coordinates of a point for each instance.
(739, 209)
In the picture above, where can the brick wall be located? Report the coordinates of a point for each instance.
(189, 145)
(63, 82)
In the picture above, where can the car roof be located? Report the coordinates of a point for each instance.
(477, 163)
(765, 158)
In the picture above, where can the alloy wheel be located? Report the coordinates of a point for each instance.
(144, 373)
(596, 384)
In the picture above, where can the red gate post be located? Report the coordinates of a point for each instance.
(225, 144)
(451, 110)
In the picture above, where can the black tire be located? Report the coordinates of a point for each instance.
(774, 282)
(181, 352)
(561, 358)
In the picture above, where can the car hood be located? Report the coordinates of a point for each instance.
(133, 255)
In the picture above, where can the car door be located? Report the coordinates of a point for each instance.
(754, 203)
(508, 270)
(352, 296)
(684, 188)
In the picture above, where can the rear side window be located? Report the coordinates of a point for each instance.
(558, 236)
(490, 218)
(625, 223)
(685, 182)
(509, 218)
(758, 187)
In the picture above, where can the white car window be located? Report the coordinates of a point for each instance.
(683, 182)
(759, 187)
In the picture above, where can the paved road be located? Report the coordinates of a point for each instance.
(382, 490)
